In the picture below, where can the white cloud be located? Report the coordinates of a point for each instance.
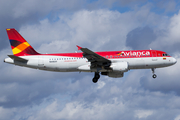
(143, 113)
(96, 29)
(169, 36)
(24, 8)
(101, 84)
(177, 118)
(77, 110)
(174, 27)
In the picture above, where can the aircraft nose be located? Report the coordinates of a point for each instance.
(174, 60)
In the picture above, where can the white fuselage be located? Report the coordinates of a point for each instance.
(70, 64)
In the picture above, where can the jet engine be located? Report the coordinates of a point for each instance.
(118, 70)
(119, 66)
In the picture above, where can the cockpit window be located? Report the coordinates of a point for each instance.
(165, 54)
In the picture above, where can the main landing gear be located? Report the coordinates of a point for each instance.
(153, 71)
(96, 77)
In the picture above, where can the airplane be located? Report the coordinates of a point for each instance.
(109, 63)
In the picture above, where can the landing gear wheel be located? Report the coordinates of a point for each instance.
(96, 77)
(94, 80)
(154, 76)
(153, 71)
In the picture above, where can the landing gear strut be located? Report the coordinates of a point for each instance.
(96, 77)
(153, 71)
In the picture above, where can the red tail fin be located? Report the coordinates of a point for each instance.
(20, 47)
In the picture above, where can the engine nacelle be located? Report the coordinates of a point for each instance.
(119, 66)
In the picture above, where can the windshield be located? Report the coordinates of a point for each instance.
(165, 54)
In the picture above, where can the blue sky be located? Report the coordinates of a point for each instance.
(57, 26)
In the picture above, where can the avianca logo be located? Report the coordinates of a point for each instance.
(134, 53)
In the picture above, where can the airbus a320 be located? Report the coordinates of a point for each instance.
(109, 63)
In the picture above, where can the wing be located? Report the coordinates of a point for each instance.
(95, 59)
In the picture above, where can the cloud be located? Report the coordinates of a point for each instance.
(177, 118)
(140, 38)
(6, 113)
(168, 6)
(167, 83)
(168, 38)
(76, 110)
(143, 113)
(24, 8)
(108, 29)
(128, 102)
(15, 14)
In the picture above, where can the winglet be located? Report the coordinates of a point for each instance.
(78, 47)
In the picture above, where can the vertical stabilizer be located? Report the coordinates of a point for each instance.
(20, 47)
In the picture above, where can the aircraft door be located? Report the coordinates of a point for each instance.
(154, 56)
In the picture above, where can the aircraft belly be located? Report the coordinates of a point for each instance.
(155, 62)
(147, 63)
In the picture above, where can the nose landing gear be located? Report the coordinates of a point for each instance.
(96, 77)
(153, 71)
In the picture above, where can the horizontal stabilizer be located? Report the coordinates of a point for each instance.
(18, 58)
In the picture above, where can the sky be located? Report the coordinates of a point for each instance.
(57, 26)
